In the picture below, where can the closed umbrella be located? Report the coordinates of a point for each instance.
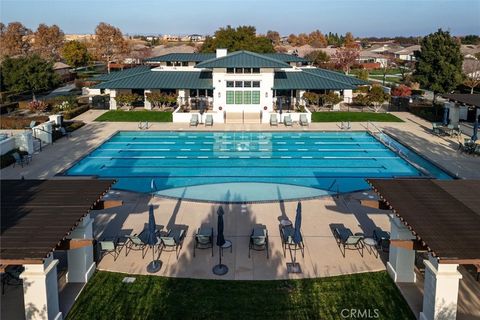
(154, 266)
(297, 237)
(446, 111)
(153, 186)
(220, 269)
(475, 131)
(280, 106)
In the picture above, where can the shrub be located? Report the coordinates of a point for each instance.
(127, 99)
(8, 159)
(74, 125)
(8, 107)
(402, 91)
(37, 106)
(330, 99)
(75, 112)
(310, 97)
(19, 122)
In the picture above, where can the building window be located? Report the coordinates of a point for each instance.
(247, 84)
(185, 64)
(238, 70)
(256, 70)
(256, 84)
(238, 84)
(230, 95)
(169, 63)
(247, 97)
(229, 70)
(255, 97)
(238, 97)
(229, 84)
(247, 70)
(209, 93)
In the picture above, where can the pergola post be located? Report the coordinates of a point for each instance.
(40, 290)
(401, 261)
(80, 261)
(441, 286)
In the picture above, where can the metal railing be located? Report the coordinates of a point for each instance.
(143, 125)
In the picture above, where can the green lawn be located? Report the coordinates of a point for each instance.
(387, 79)
(389, 71)
(135, 116)
(153, 297)
(335, 116)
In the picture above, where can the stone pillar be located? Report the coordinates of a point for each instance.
(44, 132)
(80, 261)
(401, 262)
(440, 295)
(113, 103)
(347, 96)
(181, 97)
(147, 104)
(40, 291)
(24, 141)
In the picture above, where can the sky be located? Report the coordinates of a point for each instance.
(361, 17)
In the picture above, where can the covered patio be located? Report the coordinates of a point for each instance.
(440, 218)
(42, 223)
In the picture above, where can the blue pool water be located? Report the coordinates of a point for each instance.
(250, 166)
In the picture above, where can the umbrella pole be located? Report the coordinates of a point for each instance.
(220, 254)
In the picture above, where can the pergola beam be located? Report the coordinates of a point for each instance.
(376, 204)
(107, 204)
(69, 244)
(408, 244)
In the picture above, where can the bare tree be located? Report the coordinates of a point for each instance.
(471, 68)
(346, 57)
(14, 39)
(109, 43)
(48, 41)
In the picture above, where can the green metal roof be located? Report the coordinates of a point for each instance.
(285, 57)
(337, 76)
(243, 59)
(162, 80)
(301, 80)
(182, 57)
(114, 75)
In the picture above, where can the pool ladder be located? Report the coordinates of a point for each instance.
(143, 125)
(345, 125)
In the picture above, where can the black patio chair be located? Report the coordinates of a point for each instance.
(286, 235)
(203, 239)
(258, 240)
(347, 240)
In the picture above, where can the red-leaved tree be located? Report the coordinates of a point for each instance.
(402, 91)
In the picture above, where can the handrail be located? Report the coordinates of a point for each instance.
(39, 140)
(35, 136)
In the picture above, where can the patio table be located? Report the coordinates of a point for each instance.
(371, 246)
(226, 245)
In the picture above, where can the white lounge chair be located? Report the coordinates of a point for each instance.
(273, 119)
(208, 120)
(194, 120)
(287, 121)
(303, 120)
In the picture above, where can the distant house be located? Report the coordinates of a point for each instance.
(408, 53)
(63, 70)
(469, 51)
(196, 38)
(372, 60)
(387, 49)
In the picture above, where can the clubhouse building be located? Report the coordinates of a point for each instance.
(223, 82)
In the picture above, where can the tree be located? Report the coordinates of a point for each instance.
(471, 68)
(317, 40)
(274, 36)
(302, 39)
(292, 40)
(127, 99)
(471, 39)
(109, 43)
(30, 73)
(439, 63)
(48, 41)
(363, 74)
(318, 57)
(14, 39)
(349, 41)
(346, 57)
(402, 91)
(240, 38)
(75, 53)
(376, 97)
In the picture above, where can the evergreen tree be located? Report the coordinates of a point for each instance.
(240, 38)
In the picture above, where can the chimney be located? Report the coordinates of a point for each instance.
(221, 53)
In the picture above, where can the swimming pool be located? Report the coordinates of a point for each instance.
(250, 166)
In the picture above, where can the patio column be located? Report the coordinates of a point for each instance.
(440, 295)
(147, 105)
(113, 103)
(347, 96)
(80, 261)
(401, 262)
(40, 290)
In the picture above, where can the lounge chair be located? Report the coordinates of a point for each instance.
(286, 235)
(208, 120)
(112, 247)
(194, 120)
(303, 120)
(203, 239)
(287, 121)
(382, 238)
(33, 123)
(347, 240)
(273, 119)
(173, 240)
(21, 160)
(258, 240)
(136, 243)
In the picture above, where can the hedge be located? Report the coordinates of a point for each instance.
(13, 122)
(67, 115)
